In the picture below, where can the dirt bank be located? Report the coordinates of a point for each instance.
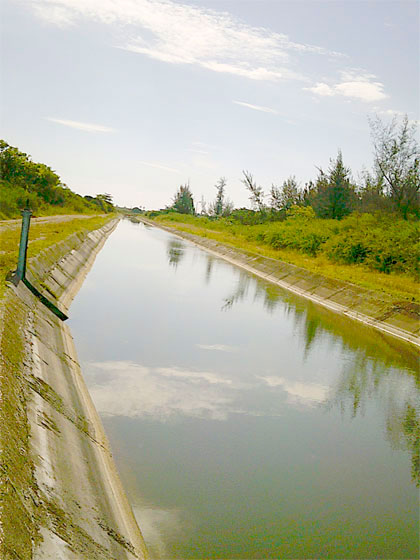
(397, 318)
(61, 497)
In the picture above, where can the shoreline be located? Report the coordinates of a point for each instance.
(378, 311)
(72, 502)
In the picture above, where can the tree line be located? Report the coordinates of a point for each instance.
(392, 186)
(27, 183)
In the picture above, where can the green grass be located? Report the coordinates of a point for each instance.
(390, 247)
(41, 236)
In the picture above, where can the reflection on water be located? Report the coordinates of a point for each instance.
(370, 372)
(175, 252)
(157, 522)
(247, 422)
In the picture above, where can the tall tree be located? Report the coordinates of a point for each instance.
(221, 206)
(397, 161)
(256, 192)
(220, 197)
(286, 196)
(183, 200)
(335, 195)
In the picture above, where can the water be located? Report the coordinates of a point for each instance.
(246, 422)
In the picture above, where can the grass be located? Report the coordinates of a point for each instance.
(41, 236)
(400, 286)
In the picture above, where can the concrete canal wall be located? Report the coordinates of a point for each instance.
(62, 498)
(397, 318)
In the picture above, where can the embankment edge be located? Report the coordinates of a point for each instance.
(398, 319)
(67, 494)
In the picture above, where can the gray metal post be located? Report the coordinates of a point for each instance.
(23, 247)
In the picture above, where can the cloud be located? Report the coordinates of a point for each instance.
(256, 107)
(157, 525)
(356, 85)
(125, 388)
(159, 166)
(310, 392)
(178, 33)
(133, 390)
(218, 347)
(86, 127)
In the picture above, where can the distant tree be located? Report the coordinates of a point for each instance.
(257, 194)
(222, 206)
(220, 197)
(183, 200)
(308, 194)
(397, 161)
(371, 194)
(203, 205)
(334, 194)
(104, 201)
(276, 202)
(22, 180)
(287, 196)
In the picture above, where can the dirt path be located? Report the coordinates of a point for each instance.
(14, 224)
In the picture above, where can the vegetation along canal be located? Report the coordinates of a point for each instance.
(246, 422)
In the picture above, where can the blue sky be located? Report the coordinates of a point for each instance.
(135, 97)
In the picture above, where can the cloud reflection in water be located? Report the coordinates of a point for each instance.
(157, 526)
(130, 389)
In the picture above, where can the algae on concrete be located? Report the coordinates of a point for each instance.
(59, 491)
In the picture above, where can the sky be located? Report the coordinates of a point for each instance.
(136, 97)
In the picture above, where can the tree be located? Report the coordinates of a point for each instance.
(397, 160)
(220, 197)
(287, 196)
(257, 193)
(104, 201)
(371, 195)
(335, 195)
(221, 206)
(183, 200)
(203, 205)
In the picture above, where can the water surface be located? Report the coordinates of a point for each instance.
(246, 422)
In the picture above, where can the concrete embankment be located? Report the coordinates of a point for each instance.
(61, 496)
(400, 319)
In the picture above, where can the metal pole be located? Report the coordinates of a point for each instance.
(23, 247)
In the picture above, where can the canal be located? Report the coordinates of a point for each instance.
(246, 422)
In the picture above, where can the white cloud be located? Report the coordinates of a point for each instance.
(310, 392)
(159, 166)
(179, 33)
(321, 89)
(366, 91)
(86, 127)
(126, 388)
(355, 84)
(218, 347)
(134, 390)
(256, 107)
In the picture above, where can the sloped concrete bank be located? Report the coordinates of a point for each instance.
(61, 496)
(400, 319)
